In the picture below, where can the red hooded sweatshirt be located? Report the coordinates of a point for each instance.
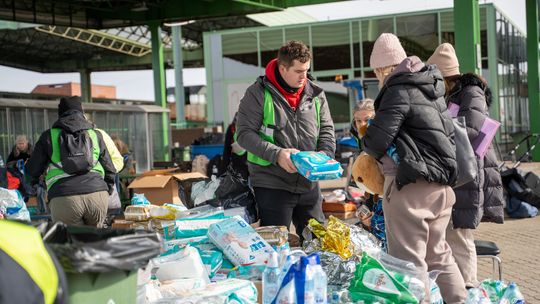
(292, 98)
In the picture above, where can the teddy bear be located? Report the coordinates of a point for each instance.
(366, 172)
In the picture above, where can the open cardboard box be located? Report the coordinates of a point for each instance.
(161, 186)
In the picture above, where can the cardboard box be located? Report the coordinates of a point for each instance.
(338, 207)
(161, 186)
(258, 285)
(122, 224)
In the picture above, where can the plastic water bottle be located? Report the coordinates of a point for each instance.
(512, 295)
(270, 279)
(320, 282)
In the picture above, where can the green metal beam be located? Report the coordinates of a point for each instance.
(86, 85)
(158, 65)
(467, 33)
(108, 62)
(179, 95)
(495, 110)
(533, 79)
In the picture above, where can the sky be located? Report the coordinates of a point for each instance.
(138, 85)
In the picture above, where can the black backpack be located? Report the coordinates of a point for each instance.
(76, 152)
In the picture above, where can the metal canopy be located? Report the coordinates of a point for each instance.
(102, 35)
(98, 14)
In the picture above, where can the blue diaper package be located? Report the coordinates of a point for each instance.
(316, 166)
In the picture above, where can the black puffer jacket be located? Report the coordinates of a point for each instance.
(411, 113)
(483, 197)
(78, 184)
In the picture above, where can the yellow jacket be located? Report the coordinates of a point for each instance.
(116, 157)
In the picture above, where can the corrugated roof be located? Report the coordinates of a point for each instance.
(286, 17)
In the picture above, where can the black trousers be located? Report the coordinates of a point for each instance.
(280, 207)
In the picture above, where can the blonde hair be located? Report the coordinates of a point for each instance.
(364, 105)
(385, 71)
(22, 138)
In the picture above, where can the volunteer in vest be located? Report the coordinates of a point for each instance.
(410, 114)
(481, 199)
(234, 156)
(79, 199)
(283, 112)
(30, 271)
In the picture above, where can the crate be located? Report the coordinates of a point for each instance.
(102, 288)
(209, 151)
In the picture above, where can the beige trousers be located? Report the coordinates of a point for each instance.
(416, 218)
(464, 252)
(84, 209)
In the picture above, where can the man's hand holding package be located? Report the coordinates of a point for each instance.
(285, 162)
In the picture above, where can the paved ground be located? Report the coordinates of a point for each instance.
(519, 241)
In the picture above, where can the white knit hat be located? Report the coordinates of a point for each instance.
(387, 51)
(446, 60)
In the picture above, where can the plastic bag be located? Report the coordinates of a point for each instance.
(89, 249)
(239, 242)
(477, 296)
(138, 213)
(512, 295)
(373, 281)
(12, 205)
(139, 199)
(245, 200)
(186, 263)
(203, 191)
(494, 289)
(316, 166)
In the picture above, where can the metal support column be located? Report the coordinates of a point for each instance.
(467, 32)
(86, 85)
(179, 95)
(158, 66)
(533, 78)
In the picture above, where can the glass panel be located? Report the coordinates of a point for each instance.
(52, 116)
(447, 27)
(371, 30)
(100, 119)
(297, 33)
(337, 96)
(418, 34)
(37, 124)
(138, 140)
(18, 123)
(356, 44)
(241, 47)
(270, 42)
(512, 78)
(5, 141)
(331, 46)
(156, 129)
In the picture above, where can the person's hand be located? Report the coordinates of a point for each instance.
(284, 160)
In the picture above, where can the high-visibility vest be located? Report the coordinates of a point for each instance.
(236, 148)
(55, 171)
(269, 125)
(23, 245)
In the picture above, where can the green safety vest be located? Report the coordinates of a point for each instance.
(55, 172)
(23, 244)
(241, 152)
(269, 123)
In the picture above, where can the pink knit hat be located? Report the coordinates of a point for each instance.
(446, 60)
(387, 51)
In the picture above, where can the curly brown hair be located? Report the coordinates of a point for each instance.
(293, 50)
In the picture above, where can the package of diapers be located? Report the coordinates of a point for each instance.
(316, 166)
(239, 242)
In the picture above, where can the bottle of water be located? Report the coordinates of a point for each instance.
(512, 295)
(320, 282)
(270, 279)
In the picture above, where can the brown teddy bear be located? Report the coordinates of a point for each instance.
(366, 171)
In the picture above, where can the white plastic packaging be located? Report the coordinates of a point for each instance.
(184, 264)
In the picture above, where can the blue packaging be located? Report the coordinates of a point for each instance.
(316, 166)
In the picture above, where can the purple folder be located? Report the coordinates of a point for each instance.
(482, 142)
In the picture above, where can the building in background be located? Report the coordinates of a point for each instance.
(74, 88)
(233, 58)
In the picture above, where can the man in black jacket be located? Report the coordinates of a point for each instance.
(75, 199)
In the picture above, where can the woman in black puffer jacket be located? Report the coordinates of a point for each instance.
(411, 119)
(481, 199)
